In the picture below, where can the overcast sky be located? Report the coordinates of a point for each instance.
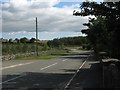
(55, 19)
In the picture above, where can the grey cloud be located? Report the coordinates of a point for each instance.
(50, 19)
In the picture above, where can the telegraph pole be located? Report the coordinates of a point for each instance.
(36, 37)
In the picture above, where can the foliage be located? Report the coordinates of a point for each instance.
(45, 47)
(67, 41)
(24, 40)
(32, 40)
(25, 45)
(15, 48)
(107, 28)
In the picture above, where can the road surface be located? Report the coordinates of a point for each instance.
(67, 72)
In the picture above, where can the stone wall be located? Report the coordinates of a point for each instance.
(111, 73)
(12, 56)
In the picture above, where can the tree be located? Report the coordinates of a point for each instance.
(109, 11)
(56, 42)
(97, 35)
(17, 40)
(10, 40)
(32, 40)
(67, 41)
(24, 40)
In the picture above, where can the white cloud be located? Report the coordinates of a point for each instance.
(19, 15)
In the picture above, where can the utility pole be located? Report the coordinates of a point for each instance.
(36, 37)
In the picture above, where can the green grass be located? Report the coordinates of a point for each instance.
(45, 57)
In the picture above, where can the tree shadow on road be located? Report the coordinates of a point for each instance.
(87, 78)
(83, 57)
(37, 81)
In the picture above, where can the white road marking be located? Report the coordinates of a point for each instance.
(15, 65)
(23, 74)
(75, 74)
(13, 79)
(64, 60)
(48, 66)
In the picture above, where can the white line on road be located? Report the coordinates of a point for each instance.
(15, 65)
(23, 74)
(64, 60)
(81, 66)
(75, 74)
(13, 79)
(48, 66)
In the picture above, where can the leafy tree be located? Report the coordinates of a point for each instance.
(17, 40)
(97, 34)
(45, 47)
(109, 11)
(24, 40)
(10, 40)
(32, 40)
(67, 41)
(56, 42)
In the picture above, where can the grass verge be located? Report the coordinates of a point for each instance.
(45, 57)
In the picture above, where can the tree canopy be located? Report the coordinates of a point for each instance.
(67, 41)
(106, 25)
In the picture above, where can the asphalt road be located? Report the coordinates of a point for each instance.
(53, 74)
